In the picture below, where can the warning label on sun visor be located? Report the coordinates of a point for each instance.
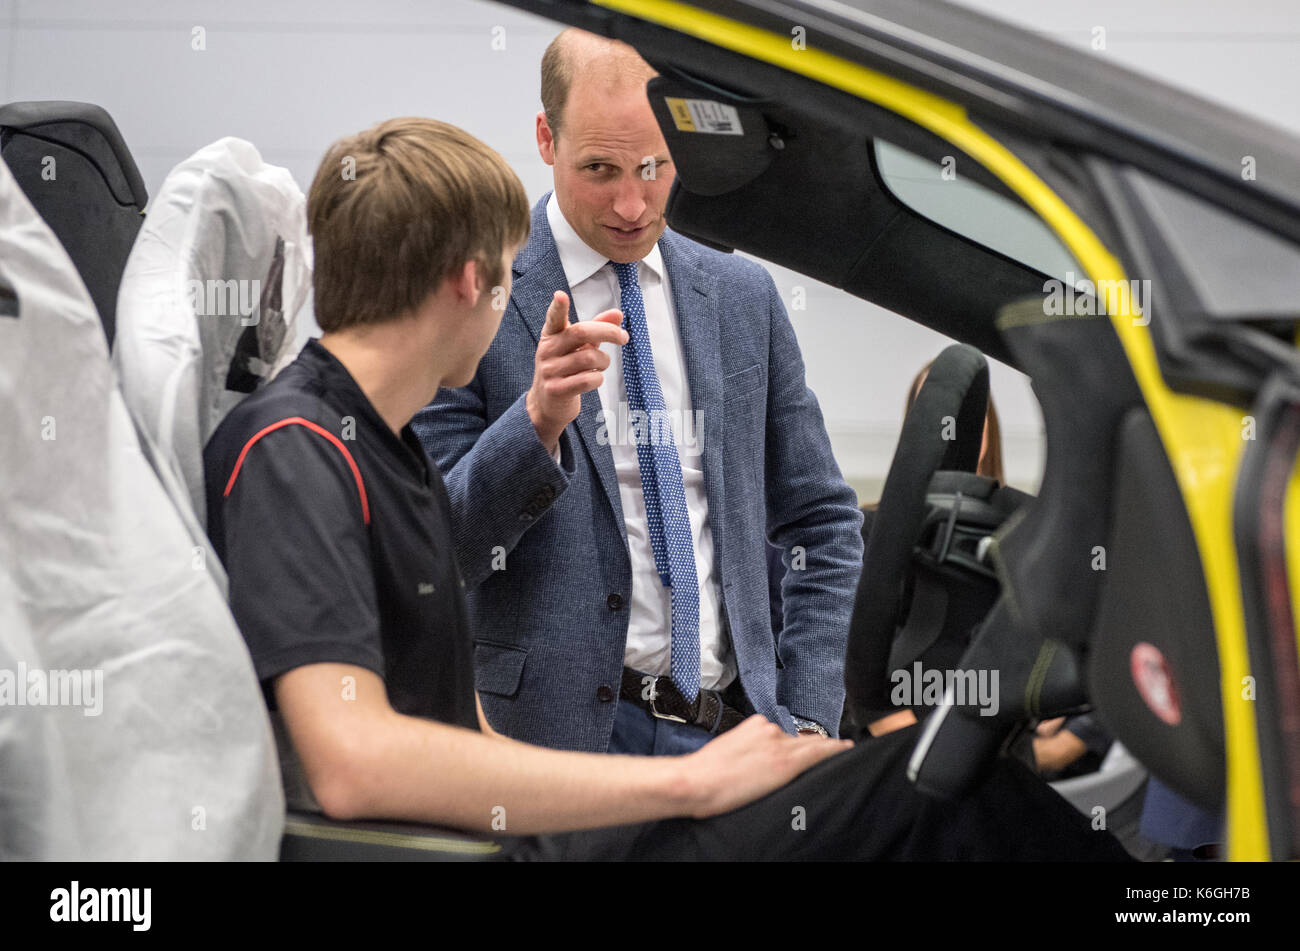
(704, 115)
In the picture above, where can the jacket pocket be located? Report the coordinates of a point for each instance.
(498, 668)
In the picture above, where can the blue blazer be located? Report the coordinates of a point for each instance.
(543, 548)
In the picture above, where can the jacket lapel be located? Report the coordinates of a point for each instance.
(695, 301)
(539, 274)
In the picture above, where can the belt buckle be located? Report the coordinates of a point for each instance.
(654, 693)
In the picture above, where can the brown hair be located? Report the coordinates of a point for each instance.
(556, 77)
(397, 209)
(612, 62)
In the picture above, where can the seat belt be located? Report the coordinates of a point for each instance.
(925, 622)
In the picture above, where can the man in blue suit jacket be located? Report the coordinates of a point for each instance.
(546, 468)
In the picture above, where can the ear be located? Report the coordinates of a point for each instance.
(545, 139)
(465, 282)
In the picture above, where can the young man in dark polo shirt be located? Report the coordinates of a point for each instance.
(335, 529)
(334, 525)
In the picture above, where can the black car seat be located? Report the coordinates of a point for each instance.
(1102, 562)
(928, 578)
(70, 161)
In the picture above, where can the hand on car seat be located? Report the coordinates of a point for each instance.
(750, 761)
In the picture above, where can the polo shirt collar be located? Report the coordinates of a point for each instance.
(343, 389)
(339, 382)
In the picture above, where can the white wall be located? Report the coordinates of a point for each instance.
(293, 75)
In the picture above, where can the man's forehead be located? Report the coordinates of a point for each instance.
(609, 151)
(627, 135)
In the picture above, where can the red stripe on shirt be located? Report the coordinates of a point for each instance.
(299, 421)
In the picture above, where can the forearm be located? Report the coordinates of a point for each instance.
(817, 608)
(445, 775)
(499, 489)
(364, 760)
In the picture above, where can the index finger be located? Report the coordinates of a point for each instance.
(557, 315)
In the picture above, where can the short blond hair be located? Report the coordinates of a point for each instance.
(397, 209)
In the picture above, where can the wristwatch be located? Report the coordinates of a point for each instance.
(809, 726)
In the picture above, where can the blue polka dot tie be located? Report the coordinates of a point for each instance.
(661, 484)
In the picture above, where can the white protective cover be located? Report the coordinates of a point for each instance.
(214, 221)
(98, 574)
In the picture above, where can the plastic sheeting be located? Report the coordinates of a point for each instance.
(131, 722)
(219, 275)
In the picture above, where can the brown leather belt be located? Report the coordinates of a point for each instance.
(659, 697)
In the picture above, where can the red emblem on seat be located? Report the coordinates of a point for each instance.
(1155, 682)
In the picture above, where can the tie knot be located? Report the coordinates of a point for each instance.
(626, 273)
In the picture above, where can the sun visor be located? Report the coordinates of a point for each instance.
(719, 141)
(785, 171)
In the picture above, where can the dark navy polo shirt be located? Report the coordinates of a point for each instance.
(336, 535)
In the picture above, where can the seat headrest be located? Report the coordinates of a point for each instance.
(213, 299)
(72, 164)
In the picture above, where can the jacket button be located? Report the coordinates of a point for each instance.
(604, 694)
(615, 602)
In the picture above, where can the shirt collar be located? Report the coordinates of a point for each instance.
(342, 389)
(578, 259)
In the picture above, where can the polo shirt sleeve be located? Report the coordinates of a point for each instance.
(297, 552)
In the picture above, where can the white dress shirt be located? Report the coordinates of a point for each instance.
(594, 289)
